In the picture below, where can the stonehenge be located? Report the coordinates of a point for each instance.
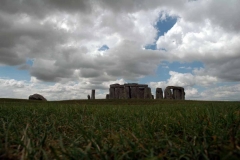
(142, 91)
(129, 91)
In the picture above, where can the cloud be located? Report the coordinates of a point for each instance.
(228, 93)
(12, 88)
(186, 80)
(192, 82)
(64, 39)
(217, 49)
(12, 83)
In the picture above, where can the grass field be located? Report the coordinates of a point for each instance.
(119, 129)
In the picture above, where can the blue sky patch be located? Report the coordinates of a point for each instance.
(162, 73)
(103, 48)
(12, 72)
(162, 26)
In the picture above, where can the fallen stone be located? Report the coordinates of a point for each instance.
(37, 97)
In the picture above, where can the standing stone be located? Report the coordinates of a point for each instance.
(93, 94)
(159, 93)
(116, 94)
(147, 93)
(127, 92)
(134, 92)
(168, 93)
(111, 91)
(179, 94)
(175, 93)
(107, 96)
(121, 92)
(152, 96)
(140, 93)
(88, 96)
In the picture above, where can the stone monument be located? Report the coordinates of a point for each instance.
(129, 91)
(174, 92)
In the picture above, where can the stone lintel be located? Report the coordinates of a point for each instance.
(118, 86)
(114, 85)
(130, 84)
(174, 87)
(135, 85)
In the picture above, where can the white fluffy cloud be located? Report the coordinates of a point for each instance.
(191, 82)
(58, 91)
(207, 31)
(186, 80)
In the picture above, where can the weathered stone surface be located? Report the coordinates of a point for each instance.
(131, 84)
(127, 92)
(141, 93)
(88, 96)
(114, 85)
(159, 93)
(93, 94)
(37, 97)
(147, 93)
(168, 93)
(134, 92)
(116, 94)
(176, 94)
(112, 93)
(121, 93)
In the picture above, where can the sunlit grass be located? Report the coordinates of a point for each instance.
(144, 129)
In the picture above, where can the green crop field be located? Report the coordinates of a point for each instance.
(119, 129)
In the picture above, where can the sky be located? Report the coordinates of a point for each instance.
(64, 49)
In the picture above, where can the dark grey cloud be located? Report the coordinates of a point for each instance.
(40, 9)
(221, 13)
(10, 57)
(227, 69)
